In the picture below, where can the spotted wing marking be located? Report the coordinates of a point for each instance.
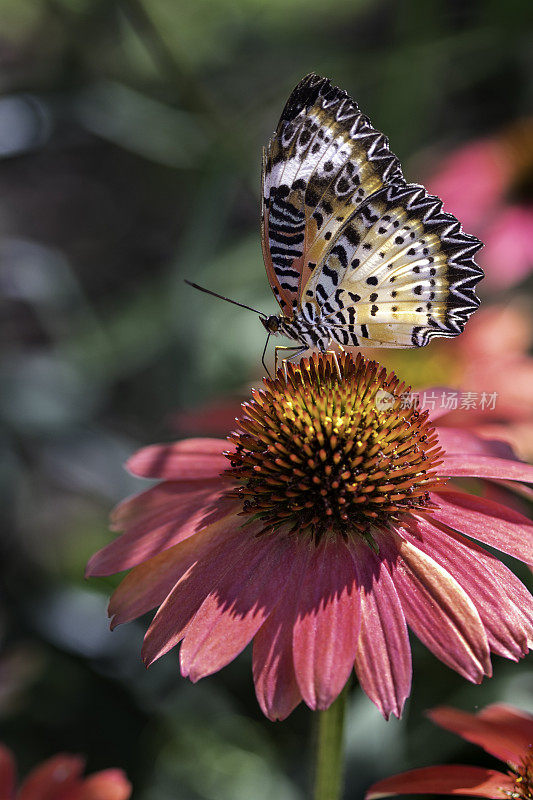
(399, 272)
(323, 162)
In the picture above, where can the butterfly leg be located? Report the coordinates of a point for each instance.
(299, 350)
(263, 362)
(334, 354)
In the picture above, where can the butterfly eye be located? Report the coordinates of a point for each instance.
(271, 323)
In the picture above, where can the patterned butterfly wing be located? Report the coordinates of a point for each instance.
(323, 163)
(398, 272)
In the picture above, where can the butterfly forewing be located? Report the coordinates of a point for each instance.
(323, 162)
(349, 246)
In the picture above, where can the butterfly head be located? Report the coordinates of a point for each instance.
(271, 323)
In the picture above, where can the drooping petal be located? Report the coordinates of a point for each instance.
(383, 656)
(176, 612)
(191, 458)
(479, 466)
(520, 721)
(505, 632)
(8, 774)
(275, 681)
(508, 737)
(142, 506)
(233, 612)
(53, 778)
(147, 586)
(110, 784)
(517, 488)
(437, 609)
(447, 779)
(327, 624)
(458, 441)
(497, 525)
(193, 511)
(520, 598)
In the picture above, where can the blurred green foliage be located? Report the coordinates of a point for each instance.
(130, 142)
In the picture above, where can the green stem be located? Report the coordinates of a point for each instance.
(330, 750)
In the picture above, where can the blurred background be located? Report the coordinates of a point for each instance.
(130, 147)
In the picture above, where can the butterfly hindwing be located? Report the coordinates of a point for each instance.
(324, 161)
(398, 272)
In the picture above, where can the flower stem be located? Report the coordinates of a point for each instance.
(329, 750)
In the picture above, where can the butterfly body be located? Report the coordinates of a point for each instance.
(312, 333)
(355, 255)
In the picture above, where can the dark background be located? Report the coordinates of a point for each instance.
(130, 145)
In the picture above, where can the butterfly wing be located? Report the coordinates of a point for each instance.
(323, 163)
(398, 272)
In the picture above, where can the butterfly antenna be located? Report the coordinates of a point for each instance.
(221, 297)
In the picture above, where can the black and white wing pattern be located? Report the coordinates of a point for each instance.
(350, 248)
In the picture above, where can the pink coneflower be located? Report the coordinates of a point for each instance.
(321, 530)
(502, 731)
(60, 778)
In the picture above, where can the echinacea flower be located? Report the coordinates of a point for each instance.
(502, 731)
(60, 778)
(321, 530)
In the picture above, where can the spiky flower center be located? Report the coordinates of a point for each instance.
(332, 445)
(523, 778)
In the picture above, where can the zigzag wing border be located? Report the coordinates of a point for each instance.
(462, 271)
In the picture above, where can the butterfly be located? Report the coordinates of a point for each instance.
(355, 255)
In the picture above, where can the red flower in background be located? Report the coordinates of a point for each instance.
(483, 184)
(60, 778)
(502, 731)
(321, 535)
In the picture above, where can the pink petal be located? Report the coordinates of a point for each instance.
(327, 624)
(191, 458)
(176, 612)
(517, 488)
(274, 677)
(474, 466)
(437, 609)
(505, 632)
(503, 736)
(216, 417)
(53, 778)
(110, 784)
(497, 525)
(141, 506)
(191, 512)
(509, 240)
(383, 657)
(502, 714)
(457, 441)
(448, 779)
(149, 584)
(235, 609)
(8, 773)
(517, 594)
